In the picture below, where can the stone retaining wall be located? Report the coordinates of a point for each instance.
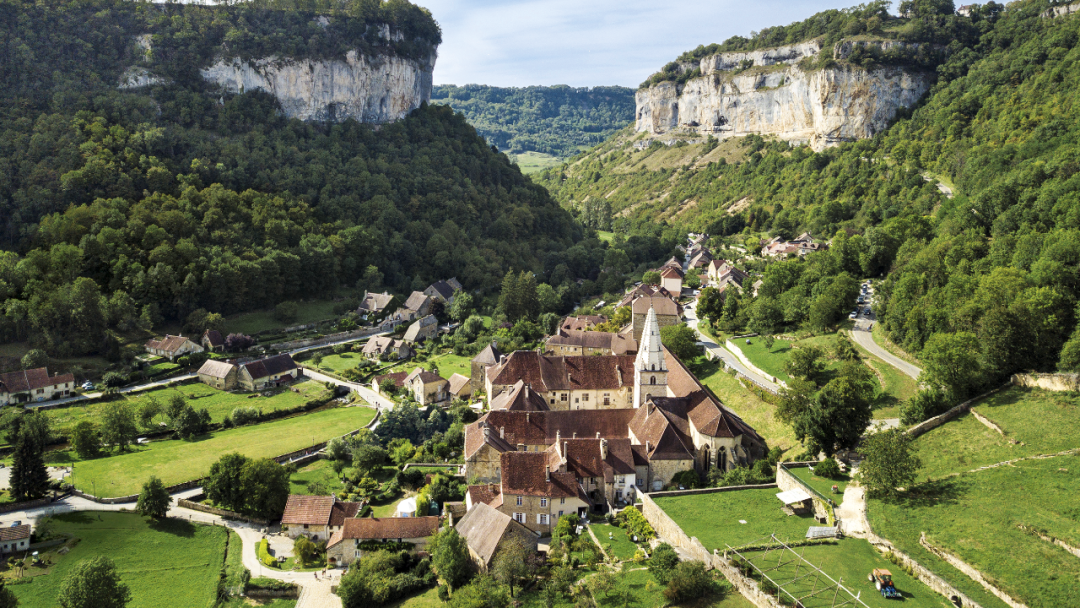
(1050, 382)
(198, 506)
(925, 576)
(786, 481)
(956, 412)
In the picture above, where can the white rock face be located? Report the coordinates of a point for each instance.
(820, 107)
(136, 77)
(1061, 11)
(376, 89)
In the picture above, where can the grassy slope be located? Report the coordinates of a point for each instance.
(450, 364)
(254, 322)
(621, 545)
(535, 162)
(318, 471)
(179, 461)
(171, 563)
(756, 413)
(821, 484)
(714, 518)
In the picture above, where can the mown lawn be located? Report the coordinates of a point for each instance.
(770, 361)
(849, 561)
(749, 407)
(1042, 422)
(450, 364)
(423, 599)
(339, 363)
(822, 484)
(254, 322)
(177, 461)
(715, 518)
(621, 545)
(976, 516)
(219, 403)
(319, 471)
(167, 563)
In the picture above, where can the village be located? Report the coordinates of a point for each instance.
(607, 452)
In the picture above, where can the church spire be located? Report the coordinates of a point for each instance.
(650, 369)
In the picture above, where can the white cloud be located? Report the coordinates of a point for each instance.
(588, 43)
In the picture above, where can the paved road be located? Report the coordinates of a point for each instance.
(727, 356)
(365, 392)
(865, 339)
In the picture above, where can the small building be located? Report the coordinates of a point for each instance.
(34, 385)
(422, 329)
(172, 347)
(344, 545)
(384, 347)
(398, 378)
(460, 387)
(671, 279)
(269, 372)
(519, 398)
(667, 313)
(488, 357)
(221, 375)
(212, 341)
(316, 517)
(577, 343)
(15, 538)
(427, 387)
(485, 529)
(420, 303)
(581, 323)
(441, 291)
(374, 304)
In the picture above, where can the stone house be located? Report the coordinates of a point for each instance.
(172, 347)
(460, 387)
(385, 347)
(343, 547)
(535, 496)
(700, 260)
(667, 313)
(422, 329)
(578, 343)
(485, 528)
(581, 382)
(671, 279)
(519, 398)
(603, 468)
(316, 517)
(581, 323)
(427, 387)
(420, 303)
(442, 291)
(722, 275)
(33, 385)
(643, 290)
(374, 304)
(212, 341)
(479, 364)
(15, 538)
(221, 375)
(269, 372)
(397, 377)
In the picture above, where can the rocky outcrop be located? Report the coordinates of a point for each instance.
(1061, 11)
(372, 89)
(820, 107)
(137, 77)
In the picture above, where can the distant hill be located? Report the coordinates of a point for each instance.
(558, 120)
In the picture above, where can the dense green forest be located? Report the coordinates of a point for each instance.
(127, 208)
(981, 285)
(558, 120)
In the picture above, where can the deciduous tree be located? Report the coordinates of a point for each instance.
(154, 499)
(890, 462)
(94, 583)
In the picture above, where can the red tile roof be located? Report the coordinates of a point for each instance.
(343, 511)
(526, 474)
(32, 379)
(662, 304)
(169, 344)
(582, 322)
(519, 398)
(385, 528)
(310, 510)
(541, 428)
(485, 494)
(397, 377)
(548, 373)
(213, 336)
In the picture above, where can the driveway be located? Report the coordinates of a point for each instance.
(862, 335)
(727, 356)
(365, 392)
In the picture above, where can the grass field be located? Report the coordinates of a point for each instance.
(168, 563)
(219, 403)
(605, 236)
(254, 322)
(821, 484)
(976, 516)
(1042, 422)
(750, 407)
(896, 386)
(621, 545)
(424, 599)
(715, 518)
(340, 363)
(319, 471)
(179, 461)
(535, 162)
(769, 361)
(849, 562)
(450, 364)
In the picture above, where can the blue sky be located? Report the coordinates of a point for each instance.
(591, 42)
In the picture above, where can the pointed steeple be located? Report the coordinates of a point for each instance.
(650, 369)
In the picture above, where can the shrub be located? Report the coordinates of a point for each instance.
(662, 563)
(688, 479)
(828, 469)
(635, 524)
(263, 552)
(268, 583)
(243, 415)
(286, 312)
(689, 581)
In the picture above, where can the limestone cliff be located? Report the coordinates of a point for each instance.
(777, 97)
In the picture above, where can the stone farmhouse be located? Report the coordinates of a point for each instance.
(427, 387)
(422, 329)
(212, 341)
(665, 309)
(519, 398)
(219, 374)
(15, 538)
(343, 548)
(576, 343)
(581, 323)
(251, 376)
(316, 517)
(700, 259)
(485, 529)
(172, 347)
(384, 347)
(398, 378)
(33, 385)
(460, 387)
(374, 304)
(418, 305)
(671, 276)
(723, 276)
(443, 290)
(664, 422)
(643, 290)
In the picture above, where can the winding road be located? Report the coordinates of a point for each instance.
(862, 335)
(727, 356)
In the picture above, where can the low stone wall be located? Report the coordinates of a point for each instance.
(30, 504)
(956, 412)
(198, 506)
(824, 507)
(924, 575)
(46, 544)
(970, 571)
(710, 490)
(1050, 382)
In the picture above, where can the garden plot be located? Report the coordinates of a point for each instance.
(717, 520)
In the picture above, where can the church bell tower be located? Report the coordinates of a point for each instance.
(650, 370)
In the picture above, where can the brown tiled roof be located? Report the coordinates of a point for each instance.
(484, 494)
(264, 368)
(641, 458)
(310, 510)
(541, 428)
(519, 398)
(397, 377)
(526, 474)
(476, 437)
(458, 382)
(484, 527)
(661, 424)
(705, 410)
(342, 511)
(662, 304)
(216, 369)
(635, 293)
(416, 300)
(617, 344)
(169, 344)
(14, 533)
(386, 528)
(213, 336)
(489, 356)
(546, 374)
(583, 457)
(671, 273)
(582, 322)
(32, 379)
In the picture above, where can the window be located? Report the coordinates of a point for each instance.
(358, 553)
(607, 400)
(585, 397)
(543, 502)
(652, 379)
(560, 513)
(576, 400)
(562, 397)
(640, 482)
(562, 501)
(542, 519)
(519, 501)
(553, 401)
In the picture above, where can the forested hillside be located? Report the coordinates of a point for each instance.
(982, 284)
(124, 208)
(558, 120)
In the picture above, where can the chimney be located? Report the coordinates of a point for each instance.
(565, 448)
(603, 449)
(648, 447)
(558, 436)
(575, 435)
(502, 432)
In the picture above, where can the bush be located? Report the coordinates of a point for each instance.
(926, 404)
(286, 312)
(635, 524)
(662, 563)
(263, 552)
(269, 584)
(688, 479)
(828, 469)
(689, 581)
(243, 415)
